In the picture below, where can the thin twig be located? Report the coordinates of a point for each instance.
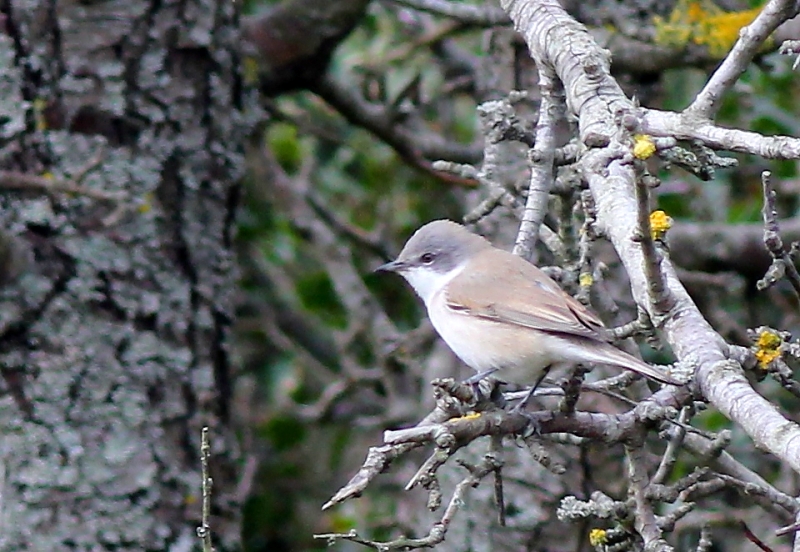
(685, 126)
(791, 48)
(782, 263)
(640, 326)
(646, 523)
(753, 538)
(431, 37)
(657, 288)
(499, 124)
(572, 390)
(413, 147)
(686, 488)
(488, 465)
(705, 542)
(766, 491)
(588, 236)
(495, 198)
(204, 530)
(785, 375)
(499, 496)
(671, 453)
(450, 398)
(369, 240)
(486, 16)
(15, 180)
(566, 229)
(90, 165)
(551, 111)
(793, 528)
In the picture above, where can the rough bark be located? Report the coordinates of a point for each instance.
(113, 341)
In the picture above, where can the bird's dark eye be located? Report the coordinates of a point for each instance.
(427, 258)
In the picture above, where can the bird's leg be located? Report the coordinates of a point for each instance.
(523, 404)
(534, 426)
(472, 380)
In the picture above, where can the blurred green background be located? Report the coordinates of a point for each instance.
(327, 201)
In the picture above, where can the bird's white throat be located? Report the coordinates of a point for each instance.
(427, 282)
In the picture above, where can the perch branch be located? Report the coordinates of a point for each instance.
(782, 262)
(204, 530)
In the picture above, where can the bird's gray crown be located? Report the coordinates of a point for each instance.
(441, 245)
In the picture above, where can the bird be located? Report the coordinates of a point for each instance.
(500, 314)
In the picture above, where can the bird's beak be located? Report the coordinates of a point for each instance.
(393, 266)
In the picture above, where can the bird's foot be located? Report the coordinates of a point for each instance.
(534, 427)
(486, 390)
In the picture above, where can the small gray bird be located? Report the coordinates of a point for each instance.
(499, 313)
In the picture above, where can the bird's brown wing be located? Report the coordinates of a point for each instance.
(526, 297)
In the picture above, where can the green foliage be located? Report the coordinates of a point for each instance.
(283, 432)
(712, 420)
(317, 295)
(289, 149)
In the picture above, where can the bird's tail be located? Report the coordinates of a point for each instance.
(608, 354)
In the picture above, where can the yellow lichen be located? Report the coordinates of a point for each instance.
(695, 13)
(146, 205)
(721, 31)
(643, 146)
(597, 537)
(704, 23)
(586, 279)
(39, 105)
(768, 347)
(660, 222)
(250, 69)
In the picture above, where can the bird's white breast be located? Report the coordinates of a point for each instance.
(520, 354)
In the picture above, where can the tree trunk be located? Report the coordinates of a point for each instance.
(114, 334)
